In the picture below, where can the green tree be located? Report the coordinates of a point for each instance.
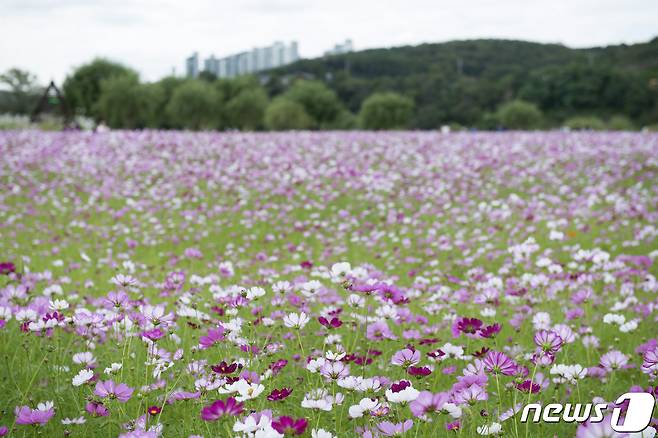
(125, 103)
(386, 111)
(83, 88)
(519, 114)
(167, 86)
(195, 105)
(283, 114)
(318, 100)
(23, 91)
(246, 110)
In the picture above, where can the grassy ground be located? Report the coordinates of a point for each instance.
(434, 215)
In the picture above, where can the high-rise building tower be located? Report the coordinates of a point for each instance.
(253, 61)
(192, 65)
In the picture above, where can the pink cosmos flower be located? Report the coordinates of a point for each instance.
(471, 395)
(392, 429)
(41, 415)
(406, 357)
(427, 403)
(548, 341)
(97, 409)
(379, 331)
(613, 360)
(215, 335)
(496, 362)
(334, 370)
(121, 392)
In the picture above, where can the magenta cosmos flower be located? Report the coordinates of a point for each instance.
(221, 408)
(279, 394)
(468, 326)
(41, 415)
(333, 323)
(427, 403)
(289, 426)
(419, 372)
(496, 362)
(121, 392)
(7, 268)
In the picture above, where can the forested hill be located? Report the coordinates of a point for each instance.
(463, 81)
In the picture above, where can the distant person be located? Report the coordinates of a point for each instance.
(102, 127)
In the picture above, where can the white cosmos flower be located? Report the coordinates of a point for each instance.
(245, 390)
(321, 433)
(330, 355)
(629, 326)
(365, 405)
(490, 429)
(84, 358)
(315, 364)
(248, 424)
(296, 320)
(82, 377)
(407, 395)
(310, 288)
(321, 404)
(340, 271)
(281, 287)
(45, 406)
(556, 235)
(79, 420)
(614, 318)
(255, 292)
(113, 368)
(59, 305)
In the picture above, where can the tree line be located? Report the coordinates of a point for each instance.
(486, 84)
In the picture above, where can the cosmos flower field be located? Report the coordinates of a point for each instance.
(323, 284)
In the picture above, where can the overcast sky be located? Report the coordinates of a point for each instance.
(50, 37)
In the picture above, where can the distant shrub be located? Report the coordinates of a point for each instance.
(195, 105)
(344, 120)
(246, 110)
(125, 103)
(386, 111)
(13, 121)
(283, 114)
(49, 123)
(519, 114)
(320, 102)
(579, 123)
(620, 123)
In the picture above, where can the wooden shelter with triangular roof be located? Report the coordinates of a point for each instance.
(53, 104)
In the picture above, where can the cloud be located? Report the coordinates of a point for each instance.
(50, 36)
